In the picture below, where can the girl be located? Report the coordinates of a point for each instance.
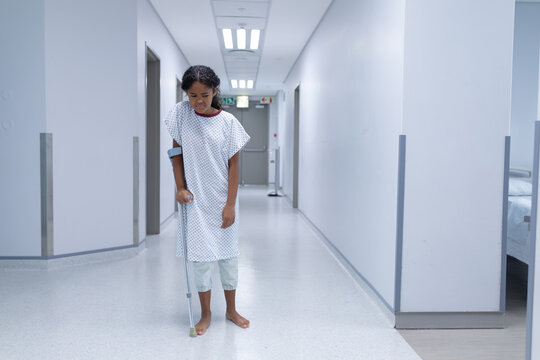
(206, 176)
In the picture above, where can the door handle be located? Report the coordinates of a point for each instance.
(263, 149)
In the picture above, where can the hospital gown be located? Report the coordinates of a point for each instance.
(208, 142)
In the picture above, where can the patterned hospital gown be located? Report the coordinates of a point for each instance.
(208, 142)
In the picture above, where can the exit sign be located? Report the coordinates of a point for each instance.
(267, 100)
(227, 100)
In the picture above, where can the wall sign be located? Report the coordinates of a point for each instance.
(227, 100)
(267, 100)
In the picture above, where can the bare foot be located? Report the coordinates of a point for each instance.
(203, 324)
(237, 319)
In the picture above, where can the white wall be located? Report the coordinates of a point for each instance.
(22, 119)
(525, 83)
(350, 120)
(153, 33)
(77, 70)
(90, 71)
(457, 90)
(96, 104)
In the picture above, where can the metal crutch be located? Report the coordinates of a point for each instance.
(192, 332)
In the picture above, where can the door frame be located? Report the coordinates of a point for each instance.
(179, 98)
(531, 311)
(296, 145)
(153, 146)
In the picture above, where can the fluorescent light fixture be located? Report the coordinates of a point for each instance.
(255, 35)
(234, 84)
(242, 84)
(241, 38)
(242, 101)
(250, 84)
(227, 37)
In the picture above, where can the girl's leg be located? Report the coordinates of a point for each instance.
(206, 314)
(203, 282)
(231, 313)
(228, 269)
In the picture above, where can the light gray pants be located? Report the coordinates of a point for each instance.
(228, 270)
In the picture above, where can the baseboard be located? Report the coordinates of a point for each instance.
(70, 260)
(78, 258)
(450, 320)
(167, 220)
(373, 294)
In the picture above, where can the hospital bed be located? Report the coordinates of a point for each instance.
(519, 215)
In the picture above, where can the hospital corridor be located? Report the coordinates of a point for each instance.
(269, 179)
(301, 303)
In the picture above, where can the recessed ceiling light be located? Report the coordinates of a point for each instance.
(234, 84)
(227, 38)
(241, 38)
(255, 35)
(242, 84)
(250, 84)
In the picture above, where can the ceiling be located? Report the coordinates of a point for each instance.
(286, 27)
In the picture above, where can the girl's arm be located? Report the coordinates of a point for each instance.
(178, 170)
(228, 210)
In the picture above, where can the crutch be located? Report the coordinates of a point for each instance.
(192, 332)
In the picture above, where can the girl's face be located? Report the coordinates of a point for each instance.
(200, 98)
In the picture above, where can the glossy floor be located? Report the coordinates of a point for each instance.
(301, 303)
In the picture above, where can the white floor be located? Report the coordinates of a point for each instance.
(301, 303)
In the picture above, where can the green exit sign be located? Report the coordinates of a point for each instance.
(227, 100)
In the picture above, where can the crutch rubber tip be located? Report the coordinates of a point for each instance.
(193, 332)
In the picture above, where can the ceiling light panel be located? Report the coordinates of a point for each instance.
(254, 39)
(247, 22)
(228, 38)
(241, 38)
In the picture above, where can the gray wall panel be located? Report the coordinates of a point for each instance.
(47, 220)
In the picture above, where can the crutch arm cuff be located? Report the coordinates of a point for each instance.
(175, 151)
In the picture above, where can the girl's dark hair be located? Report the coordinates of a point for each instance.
(205, 75)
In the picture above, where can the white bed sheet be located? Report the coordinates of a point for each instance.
(518, 240)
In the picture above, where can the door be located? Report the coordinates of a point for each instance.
(152, 142)
(254, 157)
